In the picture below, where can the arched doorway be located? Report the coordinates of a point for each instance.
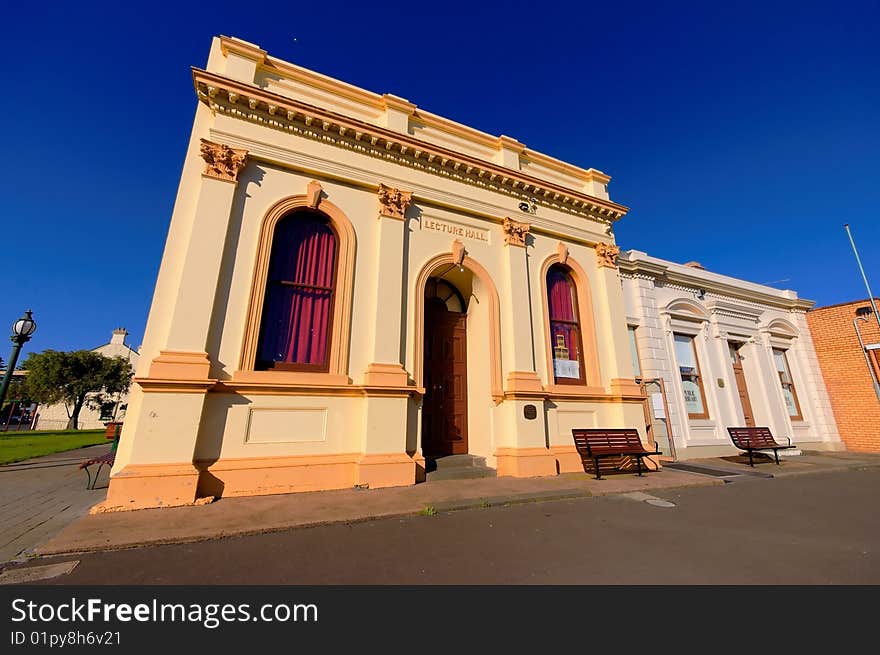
(444, 408)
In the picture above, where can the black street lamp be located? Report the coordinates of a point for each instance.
(22, 330)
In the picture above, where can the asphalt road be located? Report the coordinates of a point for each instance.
(819, 529)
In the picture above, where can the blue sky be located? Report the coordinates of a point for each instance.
(741, 136)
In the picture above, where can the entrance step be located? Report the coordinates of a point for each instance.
(457, 467)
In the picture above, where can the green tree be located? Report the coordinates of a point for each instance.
(77, 378)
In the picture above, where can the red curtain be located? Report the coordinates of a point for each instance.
(299, 292)
(563, 319)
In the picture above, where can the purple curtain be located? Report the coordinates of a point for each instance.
(563, 320)
(299, 292)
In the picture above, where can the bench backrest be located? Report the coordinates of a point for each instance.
(752, 437)
(594, 440)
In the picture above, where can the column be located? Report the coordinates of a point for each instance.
(521, 448)
(615, 360)
(155, 468)
(385, 368)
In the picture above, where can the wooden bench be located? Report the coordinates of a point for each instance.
(114, 431)
(752, 439)
(595, 444)
(106, 459)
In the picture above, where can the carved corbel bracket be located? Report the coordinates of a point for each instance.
(393, 202)
(221, 161)
(607, 254)
(515, 233)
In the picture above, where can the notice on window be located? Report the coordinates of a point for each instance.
(567, 368)
(693, 400)
(789, 402)
(657, 405)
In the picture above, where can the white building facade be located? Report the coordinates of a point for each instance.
(729, 353)
(55, 417)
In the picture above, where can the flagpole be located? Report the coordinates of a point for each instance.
(862, 271)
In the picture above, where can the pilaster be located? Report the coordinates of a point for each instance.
(517, 321)
(385, 368)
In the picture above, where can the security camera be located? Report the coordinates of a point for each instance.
(524, 206)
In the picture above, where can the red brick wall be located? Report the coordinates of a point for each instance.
(855, 404)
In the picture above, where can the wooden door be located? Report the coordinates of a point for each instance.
(741, 387)
(444, 409)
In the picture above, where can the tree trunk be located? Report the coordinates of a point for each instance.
(73, 421)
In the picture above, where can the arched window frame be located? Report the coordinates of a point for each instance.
(303, 214)
(591, 381)
(340, 329)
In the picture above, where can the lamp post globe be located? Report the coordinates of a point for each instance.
(22, 330)
(24, 327)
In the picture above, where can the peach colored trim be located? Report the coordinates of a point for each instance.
(246, 50)
(165, 385)
(567, 459)
(396, 102)
(286, 389)
(388, 375)
(387, 470)
(604, 207)
(586, 317)
(284, 378)
(597, 176)
(153, 485)
(313, 194)
(340, 329)
(525, 462)
(625, 387)
(518, 381)
(260, 476)
(494, 319)
(181, 365)
(510, 143)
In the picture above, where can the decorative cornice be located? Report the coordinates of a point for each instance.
(393, 202)
(672, 279)
(607, 254)
(247, 102)
(515, 233)
(221, 161)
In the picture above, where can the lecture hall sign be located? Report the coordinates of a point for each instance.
(455, 230)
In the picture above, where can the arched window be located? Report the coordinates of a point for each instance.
(300, 287)
(565, 331)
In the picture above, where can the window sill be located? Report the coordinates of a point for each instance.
(701, 423)
(291, 377)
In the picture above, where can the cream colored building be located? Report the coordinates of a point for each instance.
(351, 283)
(730, 353)
(55, 417)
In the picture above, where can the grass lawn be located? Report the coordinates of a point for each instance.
(18, 446)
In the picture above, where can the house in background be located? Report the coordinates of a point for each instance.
(54, 417)
(851, 368)
(728, 353)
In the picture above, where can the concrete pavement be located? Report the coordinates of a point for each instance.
(40, 496)
(803, 529)
(264, 514)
